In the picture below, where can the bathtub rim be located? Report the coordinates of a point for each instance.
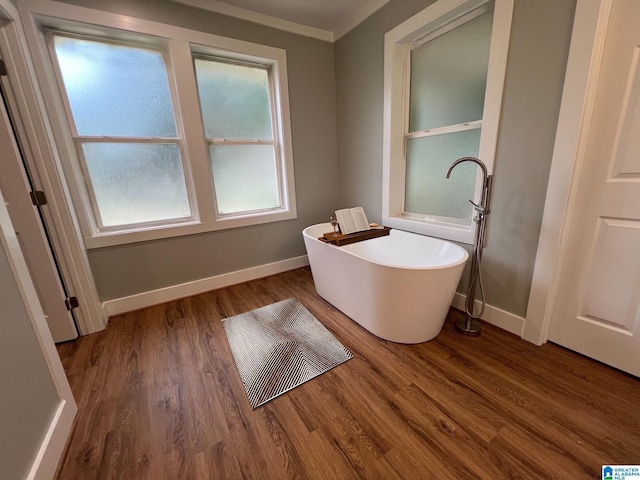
(463, 260)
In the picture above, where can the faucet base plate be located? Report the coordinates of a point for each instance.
(468, 326)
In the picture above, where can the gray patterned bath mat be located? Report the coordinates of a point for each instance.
(280, 346)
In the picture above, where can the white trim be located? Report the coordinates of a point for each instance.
(350, 22)
(31, 10)
(461, 127)
(357, 17)
(60, 15)
(174, 292)
(495, 316)
(432, 227)
(428, 19)
(34, 309)
(583, 64)
(45, 163)
(398, 43)
(110, 238)
(52, 448)
(260, 18)
(496, 73)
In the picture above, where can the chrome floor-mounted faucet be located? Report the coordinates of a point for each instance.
(470, 325)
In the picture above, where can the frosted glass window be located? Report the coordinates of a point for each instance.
(235, 100)
(161, 152)
(135, 183)
(115, 90)
(245, 177)
(449, 76)
(428, 159)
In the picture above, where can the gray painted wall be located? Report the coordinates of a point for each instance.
(28, 397)
(336, 111)
(129, 269)
(539, 45)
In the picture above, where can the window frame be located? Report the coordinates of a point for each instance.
(274, 141)
(179, 47)
(438, 17)
(88, 193)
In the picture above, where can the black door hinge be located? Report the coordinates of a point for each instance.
(38, 198)
(3, 69)
(71, 303)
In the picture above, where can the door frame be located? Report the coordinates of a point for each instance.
(33, 236)
(41, 155)
(576, 110)
(51, 448)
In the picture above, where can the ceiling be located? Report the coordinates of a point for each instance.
(323, 19)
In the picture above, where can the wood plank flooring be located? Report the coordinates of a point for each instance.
(159, 397)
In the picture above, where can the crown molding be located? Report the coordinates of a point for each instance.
(348, 23)
(357, 17)
(260, 18)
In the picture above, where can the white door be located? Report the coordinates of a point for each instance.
(597, 309)
(31, 235)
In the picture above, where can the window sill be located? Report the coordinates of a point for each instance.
(109, 239)
(432, 228)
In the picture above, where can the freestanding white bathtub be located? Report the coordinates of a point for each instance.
(399, 287)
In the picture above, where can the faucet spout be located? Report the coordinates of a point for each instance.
(475, 160)
(486, 181)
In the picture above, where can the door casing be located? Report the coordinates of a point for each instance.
(25, 101)
(576, 110)
(32, 234)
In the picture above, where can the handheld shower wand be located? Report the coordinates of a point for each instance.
(470, 325)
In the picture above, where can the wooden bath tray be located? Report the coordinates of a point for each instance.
(340, 239)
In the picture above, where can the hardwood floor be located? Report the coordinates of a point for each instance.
(159, 397)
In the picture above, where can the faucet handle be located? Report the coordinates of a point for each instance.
(481, 210)
(477, 207)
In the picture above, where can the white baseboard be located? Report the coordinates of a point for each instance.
(174, 292)
(53, 444)
(493, 315)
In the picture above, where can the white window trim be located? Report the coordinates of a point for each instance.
(398, 44)
(87, 194)
(63, 16)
